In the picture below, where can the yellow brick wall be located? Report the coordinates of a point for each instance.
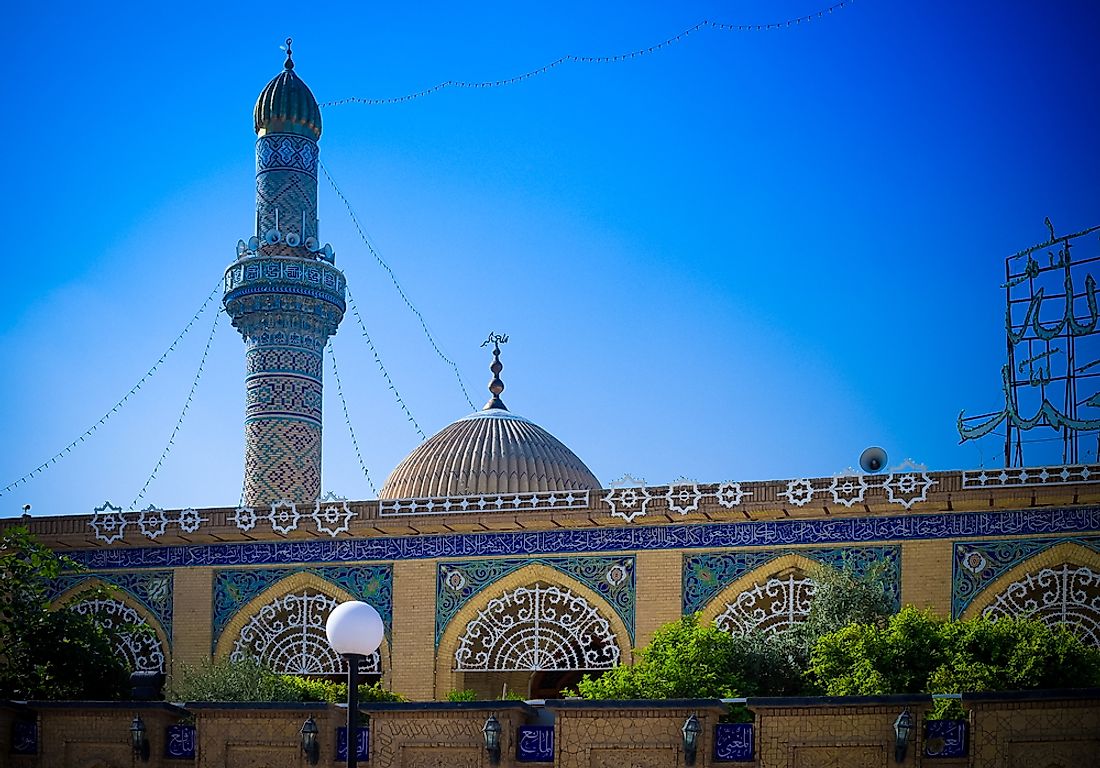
(412, 651)
(926, 575)
(192, 616)
(659, 590)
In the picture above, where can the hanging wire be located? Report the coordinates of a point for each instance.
(704, 24)
(400, 290)
(103, 419)
(347, 419)
(183, 413)
(381, 367)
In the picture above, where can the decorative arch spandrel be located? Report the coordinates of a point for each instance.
(284, 627)
(1059, 586)
(571, 611)
(770, 597)
(143, 651)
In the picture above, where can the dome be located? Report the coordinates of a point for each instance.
(489, 451)
(286, 105)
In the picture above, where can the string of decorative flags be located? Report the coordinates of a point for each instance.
(400, 290)
(114, 409)
(570, 58)
(347, 419)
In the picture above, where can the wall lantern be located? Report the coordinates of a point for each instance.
(354, 631)
(138, 743)
(492, 739)
(903, 728)
(691, 732)
(309, 741)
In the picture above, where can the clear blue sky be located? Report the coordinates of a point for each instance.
(747, 256)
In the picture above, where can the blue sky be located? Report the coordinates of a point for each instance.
(749, 255)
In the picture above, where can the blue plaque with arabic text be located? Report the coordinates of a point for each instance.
(179, 742)
(24, 737)
(945, 738)
(535, 744)
(361, 747)
(733, 742)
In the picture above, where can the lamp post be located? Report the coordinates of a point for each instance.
(903, 727)
(691, 731)
(354, 631)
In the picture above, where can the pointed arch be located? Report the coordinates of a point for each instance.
(1060, 586)
(535, 618)
(770, 598)
(143, 651)
(284, 627)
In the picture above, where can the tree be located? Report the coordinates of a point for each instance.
(249, 680)
(47, 654)
(687, 660)
(917, 652)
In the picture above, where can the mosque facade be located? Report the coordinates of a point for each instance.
(496, 559)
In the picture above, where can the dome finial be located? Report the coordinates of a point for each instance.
(289, 54)
(496, 386)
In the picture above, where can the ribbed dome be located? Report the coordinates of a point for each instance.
(286, 105)
(491, 451)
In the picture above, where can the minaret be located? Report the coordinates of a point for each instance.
(286, 298)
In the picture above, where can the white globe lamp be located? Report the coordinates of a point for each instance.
(354, 631)
(354, 628)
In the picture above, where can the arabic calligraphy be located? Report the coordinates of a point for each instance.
(1035, 363)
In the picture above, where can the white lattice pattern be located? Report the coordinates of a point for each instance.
(135, 641)
(539, 627)
(774, 606)
(1068, 595)
(288, 635)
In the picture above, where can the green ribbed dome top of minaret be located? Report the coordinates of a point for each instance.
(286, 105)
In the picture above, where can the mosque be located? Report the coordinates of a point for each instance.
(496, 559)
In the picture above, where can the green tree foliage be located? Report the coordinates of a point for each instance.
(917, 652)
(683, 661)
(687, 660)
(248, 680)
(47, 654)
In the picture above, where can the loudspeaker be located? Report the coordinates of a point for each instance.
(873, 459)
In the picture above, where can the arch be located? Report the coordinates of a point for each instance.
(142, 651)
(770, 598)
(1059, 586)
(284, 627)
(536, 603)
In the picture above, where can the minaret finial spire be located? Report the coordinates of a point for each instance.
(496, 386)
(289, 54)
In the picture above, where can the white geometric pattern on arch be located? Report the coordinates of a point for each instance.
(537, 627)
(774, 606)
(1066, 595)
(288, 635)
(141, 649)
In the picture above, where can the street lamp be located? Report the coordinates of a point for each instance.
(309, 741)
(691, 732)
(903, 727)
(354, 631)
(138, 743)
(491, 731)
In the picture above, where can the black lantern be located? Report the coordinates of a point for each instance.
(492, 739)
(309, 741)
(691, 732)
(903, 728)
(138, 743)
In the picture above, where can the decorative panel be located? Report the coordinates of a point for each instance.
(977, 564)
(458, 582)
(234, 589)
(153, 589)
(945, 738)
(705, 575)
(764, 534)
(1066, 595)
(141, 650)
(362, 744)
(540, 627)
(288, 635)
(179, 742)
